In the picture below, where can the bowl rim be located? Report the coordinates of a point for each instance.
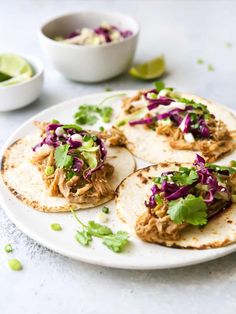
(72, 46)
(37, 65)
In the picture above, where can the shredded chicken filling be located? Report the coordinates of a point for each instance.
(114, 137)
(220, 142)
(155, 225)
(76, 189)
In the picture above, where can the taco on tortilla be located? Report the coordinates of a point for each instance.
(63, 165)
(162, 125)
(188, 206)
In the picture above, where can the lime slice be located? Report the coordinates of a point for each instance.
(4, 77)
(15, 80)
(15, 68)
(149, 70)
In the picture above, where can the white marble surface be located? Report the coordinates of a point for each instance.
(184, 31)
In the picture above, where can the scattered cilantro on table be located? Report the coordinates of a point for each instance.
(200, 61)
(210, 67)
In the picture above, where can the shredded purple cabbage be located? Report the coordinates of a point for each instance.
(173, 114)
(197, 127)
(187, 124)
(103, 32)
(74, 144)
(77, 164)
(72, 34)
(141, 121)
(154, 103)
(126, 34)
(172, 191)
(203, 129)
(54, 140)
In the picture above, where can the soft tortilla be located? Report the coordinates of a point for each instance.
(135, 189)
(25, 181)
(155, 148)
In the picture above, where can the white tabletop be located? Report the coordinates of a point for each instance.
(183, 31)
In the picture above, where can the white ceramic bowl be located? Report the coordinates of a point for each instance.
(89, 63)
(22, 94)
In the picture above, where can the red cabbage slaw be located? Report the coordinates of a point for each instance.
(194, 122)
(105, 31)
(205, 177)
(54, 138)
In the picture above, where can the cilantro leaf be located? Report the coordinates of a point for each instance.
(70, 174)
(62, 159)
(106, 114)
(84, 118)
(195, 105)
(191, 209)
(88, 114)
(98, 230)
(185, 178)
(117, 241)
(220, 168)
(83, 237)
(72, 126)
(159, 86)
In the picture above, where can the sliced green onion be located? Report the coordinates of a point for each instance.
(56, 227)
(8, 248)
(49, 170)
(15, 264)
(105, 210)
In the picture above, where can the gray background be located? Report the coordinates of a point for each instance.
(184, 31)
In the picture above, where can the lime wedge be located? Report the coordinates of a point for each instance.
(149, 70)
(15, 68)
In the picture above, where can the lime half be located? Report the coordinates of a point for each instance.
(149, 70)
(14, 69)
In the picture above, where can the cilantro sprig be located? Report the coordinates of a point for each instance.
(90, 114)
(114, 241)
(191, 209)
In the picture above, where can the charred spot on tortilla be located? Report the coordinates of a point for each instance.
(63, 165)
(186, 206)
(172, 126)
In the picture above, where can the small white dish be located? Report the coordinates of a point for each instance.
(138, 255)
(89, 63)
(20, 95)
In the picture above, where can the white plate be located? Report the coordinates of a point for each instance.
(138, 255)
